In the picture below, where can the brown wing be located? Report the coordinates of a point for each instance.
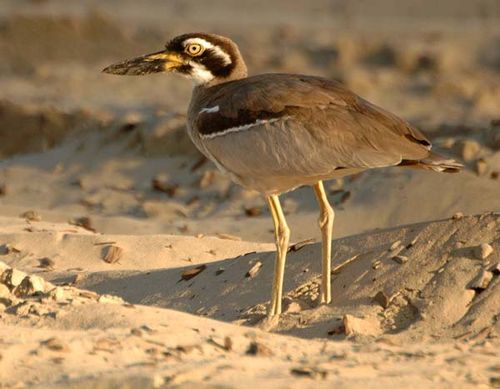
(350, 131)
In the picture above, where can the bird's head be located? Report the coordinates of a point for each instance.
(207, 59)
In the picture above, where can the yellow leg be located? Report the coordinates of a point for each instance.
(326, 224)
(282, 235)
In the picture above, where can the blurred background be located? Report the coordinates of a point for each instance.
(111, 153)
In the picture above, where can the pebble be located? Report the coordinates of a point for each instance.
(193, 272)
(483, 251)
(357, 326)
(46, 263)
(481, 167)
(109, 299)
(112, 254)
(395, 245)
(311, 372)
(13, 277)
(228, 237)
(469, 149)
(31, 215)
(30, 285)
(400, 259)
(382, 299)
(457, 216)
(481, 281)
(55, 344)
(258, 349)
(8, 249)
(293, 307)
(254, 270)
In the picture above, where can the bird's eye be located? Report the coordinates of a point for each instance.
(194, 49)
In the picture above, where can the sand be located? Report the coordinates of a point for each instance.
(127, 260)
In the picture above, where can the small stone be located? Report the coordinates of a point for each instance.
(228, 343)
(112, 254)
(8, 249)
(412, 243)
(299, 245)
(193, 272)
(160, 184)
(293, 307)
(376, 264)
(219, 271)
(495, 269)
(46, 263)
(400, 259)
(311, 372)
(457, 216)
(253, 211)
(109, 299)
(30, 285)
(254, 270)
(13, 277)
(31, 215)
(468, 149)
(206, 179)
(357, 326)
(84, 222)
(57, 294)
(382, 299)
(395, 245)
(258, 349)
(481, 281)
(483, 251)
(228, 237)
(480, 167)
(55, 344)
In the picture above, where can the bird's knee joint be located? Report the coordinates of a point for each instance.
(283, 235)
(326, 217)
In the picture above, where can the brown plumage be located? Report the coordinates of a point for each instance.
(274, 132)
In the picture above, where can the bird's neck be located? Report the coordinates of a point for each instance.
(238, 72)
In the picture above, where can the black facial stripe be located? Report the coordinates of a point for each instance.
(214, 122)
(215, 63)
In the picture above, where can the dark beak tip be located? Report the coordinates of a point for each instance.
(111, 69)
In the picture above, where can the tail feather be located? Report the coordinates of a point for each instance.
(435, 162)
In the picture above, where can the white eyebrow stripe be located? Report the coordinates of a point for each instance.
(210, 109)
(244, 127)
(207, 45)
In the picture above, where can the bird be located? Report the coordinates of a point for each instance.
(275, 132)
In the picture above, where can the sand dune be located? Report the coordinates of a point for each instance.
(403, 294)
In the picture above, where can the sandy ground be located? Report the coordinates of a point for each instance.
(127, 260)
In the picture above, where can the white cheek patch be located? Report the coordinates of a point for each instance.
(207, 45)
(200, 74)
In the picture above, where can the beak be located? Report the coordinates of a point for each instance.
(161, 61)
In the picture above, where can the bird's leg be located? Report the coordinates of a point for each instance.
(282, 235)
(326, 224)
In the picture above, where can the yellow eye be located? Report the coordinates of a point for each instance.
(194, 49)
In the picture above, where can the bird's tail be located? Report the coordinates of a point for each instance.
(435, 162)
